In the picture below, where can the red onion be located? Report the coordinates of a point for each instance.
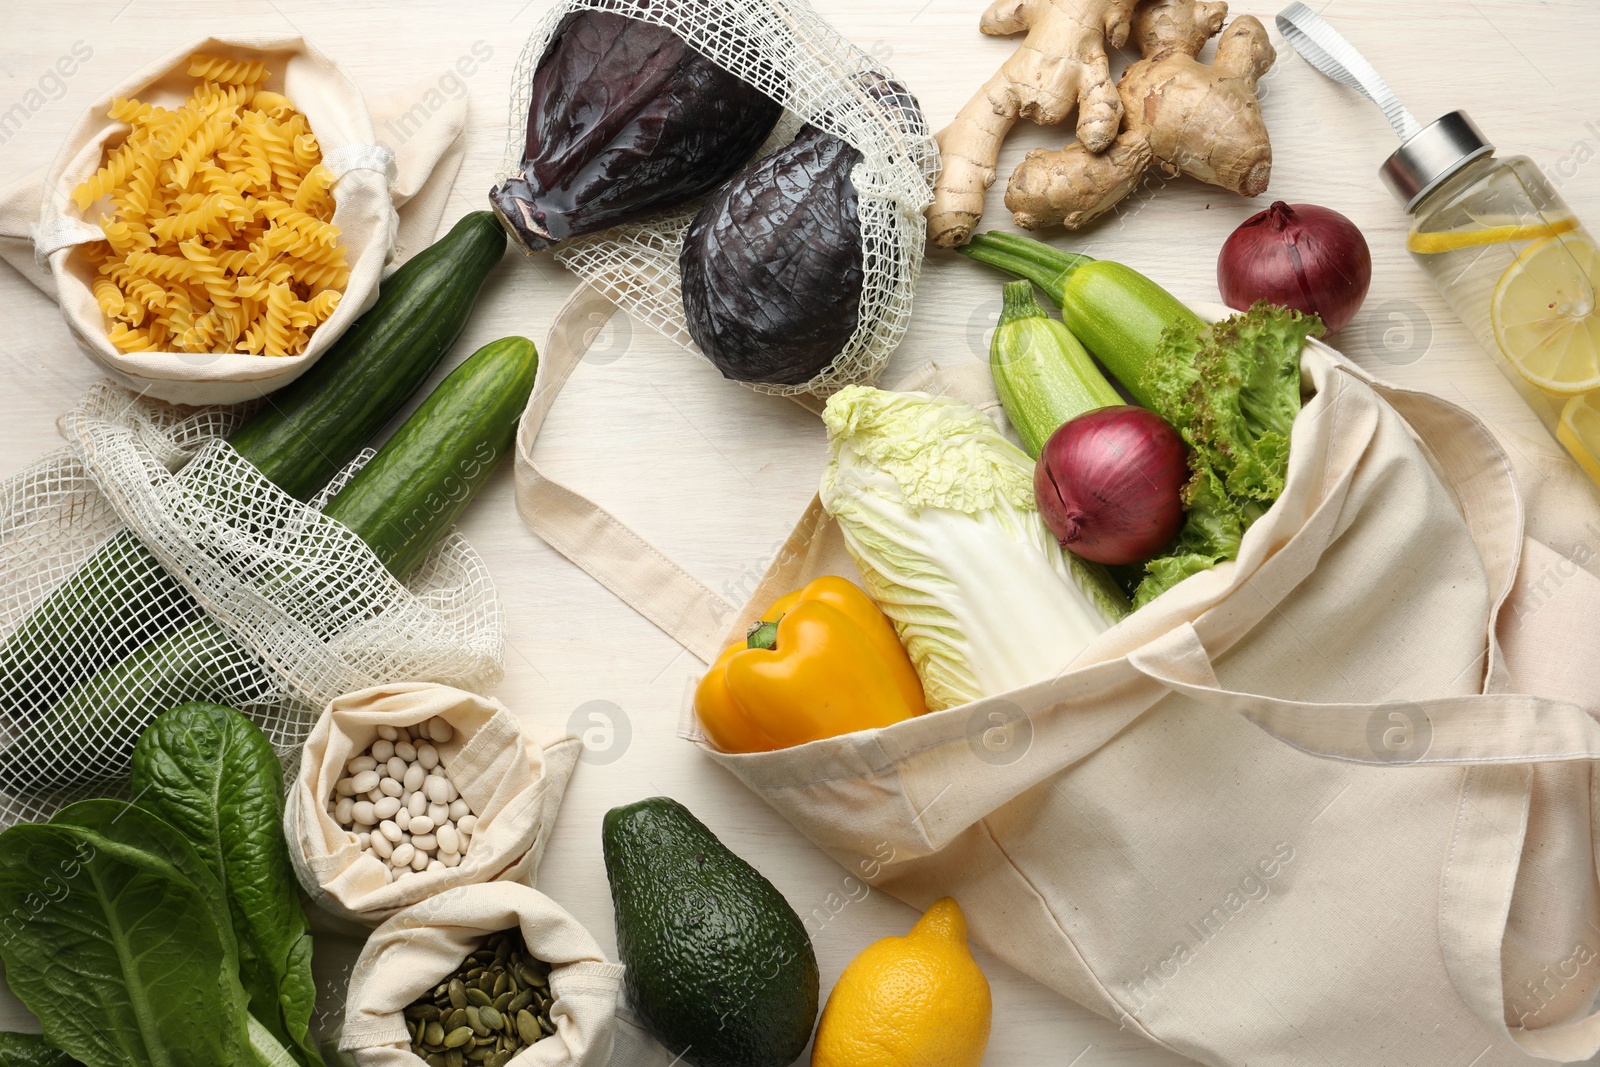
(1302, 256)
(1110, 483)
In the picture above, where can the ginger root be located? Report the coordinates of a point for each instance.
(1060, 65)
(1183, 115)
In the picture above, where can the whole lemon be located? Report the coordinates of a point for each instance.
(913, 1001)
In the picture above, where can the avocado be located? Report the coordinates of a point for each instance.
(720, 967)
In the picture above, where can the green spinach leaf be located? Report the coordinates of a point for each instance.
(116, 950)
(211, 773)
(30, 1050)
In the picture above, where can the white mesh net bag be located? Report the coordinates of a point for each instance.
(195, 578)
(786, 50)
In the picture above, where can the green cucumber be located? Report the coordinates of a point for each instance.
(1116, 312)
(122, 599)
(401, 503)
(1043, 376)
(313, 427)
(411, 492)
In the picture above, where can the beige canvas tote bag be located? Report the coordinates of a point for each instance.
(1294, 811)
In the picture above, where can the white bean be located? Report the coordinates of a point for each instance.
(435, 865)
(420, 824)
(343, 810)
(389, 734)
(405, 750)
(425, 842)
(449, 840)
(428, 756)
(395, 768)
(387, 807)
(345, 787)
(364, 811)
(388, 829)
(458, 808)
(450, 859)
(415, 775)
(450, 792)
(375, 795)
(364, 841)
(361, 763)
(364, 781)
(402, 819)
(361, 827)
(403, 854)
(438, 813)
(382, 845)
(381, 751)
(420, 860)
(397, 873)
(418, 804)
(467, 824)
(439, 730)
(391, 788)
(388, 875)
(436, 787)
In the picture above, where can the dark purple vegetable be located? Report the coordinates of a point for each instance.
(771, 264)
(626, 119)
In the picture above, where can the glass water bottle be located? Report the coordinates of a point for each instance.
(1502, 247)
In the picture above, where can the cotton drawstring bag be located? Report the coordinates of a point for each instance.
(276, 608)
(1297, 810)
(388, 203)
(421, 946)
(785, 49)
(513, 785)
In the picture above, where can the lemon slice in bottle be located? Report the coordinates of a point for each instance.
(1579, 433)
(1544, 315)
(1485, 234)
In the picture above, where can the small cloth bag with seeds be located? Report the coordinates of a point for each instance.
(363, 855)
(495, 974)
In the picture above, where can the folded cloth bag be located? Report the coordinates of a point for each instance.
(1295, 810)
(512, 784)
(424, 944)
(387, 205)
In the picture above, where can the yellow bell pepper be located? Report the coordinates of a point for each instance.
(823, 661)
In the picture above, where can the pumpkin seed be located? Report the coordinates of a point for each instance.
(495, 1005)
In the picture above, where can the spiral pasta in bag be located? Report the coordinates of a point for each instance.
(213, 223)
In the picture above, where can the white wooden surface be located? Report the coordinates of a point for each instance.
(716, 475)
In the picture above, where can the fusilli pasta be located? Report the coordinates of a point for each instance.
(223, 236)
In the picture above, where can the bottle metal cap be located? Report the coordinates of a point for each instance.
(1431, 156)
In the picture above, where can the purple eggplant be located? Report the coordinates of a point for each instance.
(626, 119)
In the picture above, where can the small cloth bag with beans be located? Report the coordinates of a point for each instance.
(473, 803)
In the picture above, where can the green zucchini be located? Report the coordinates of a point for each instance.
(401, 503)
(1042, 375)
(122, 599)
(1116, 312)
